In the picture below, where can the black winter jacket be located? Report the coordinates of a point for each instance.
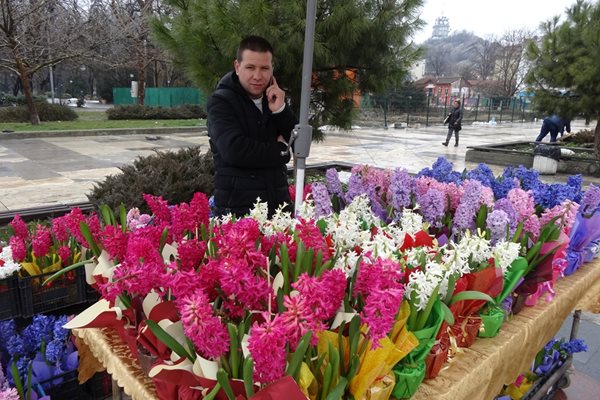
(455, 120)
(247, 156)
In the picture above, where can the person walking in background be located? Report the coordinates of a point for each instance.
(249, 125)
(554, 124)
(454, 121)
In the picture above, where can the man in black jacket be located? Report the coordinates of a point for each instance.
(249, 125)
(454, 121)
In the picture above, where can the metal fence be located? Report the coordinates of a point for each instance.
(425, 110)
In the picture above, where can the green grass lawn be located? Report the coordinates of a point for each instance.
(98, 120)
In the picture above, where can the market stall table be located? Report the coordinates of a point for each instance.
(478, 372)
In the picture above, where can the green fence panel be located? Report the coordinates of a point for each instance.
(122, 96)
(164, 97)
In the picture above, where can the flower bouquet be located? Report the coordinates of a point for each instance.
(585, 230)
(41, 250)
(38, 356)
(546, 256)
(547, 360)
(235, 306)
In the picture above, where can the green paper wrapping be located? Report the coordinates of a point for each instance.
(426, 336)
(408, 380)
(515, 273)
(491, 321)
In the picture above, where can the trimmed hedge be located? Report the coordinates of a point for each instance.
(46, 112)
(175, 176)
(137, 111)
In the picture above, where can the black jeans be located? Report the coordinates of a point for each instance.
(449, 136)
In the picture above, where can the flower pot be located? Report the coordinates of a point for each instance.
(465, 330)
(437, 357)
(408, 379)
(426, 336)
(491, 321)
(146, 359)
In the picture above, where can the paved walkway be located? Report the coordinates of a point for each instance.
(51, 170)
(45, 170)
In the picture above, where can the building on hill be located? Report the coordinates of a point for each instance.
(441, 28)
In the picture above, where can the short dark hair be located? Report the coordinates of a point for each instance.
(254, 43)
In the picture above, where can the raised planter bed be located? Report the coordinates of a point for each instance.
(521, 153)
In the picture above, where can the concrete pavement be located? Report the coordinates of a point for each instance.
(41, 169)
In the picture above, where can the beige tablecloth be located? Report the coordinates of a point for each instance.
(477, 373)
(481, 371)
(106, 346)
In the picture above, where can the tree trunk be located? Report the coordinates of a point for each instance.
(33, 114)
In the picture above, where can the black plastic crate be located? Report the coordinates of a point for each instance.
(91, 294)
(64, 386)
(9, 299)
(98, 387)
(68, 290)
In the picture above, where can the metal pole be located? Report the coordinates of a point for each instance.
(501, 101)
(51, 84)
(476, 108)
(427, 115)
(514, 104)
(303, 131)
(490, 100)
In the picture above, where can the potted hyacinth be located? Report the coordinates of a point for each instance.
(40, 250)
(216, 296)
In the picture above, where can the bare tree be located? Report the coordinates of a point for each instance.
(37, 34)
(510, 62)
(484, 59)
(437, 60)
(132, 20)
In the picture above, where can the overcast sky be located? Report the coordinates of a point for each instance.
(487, 17)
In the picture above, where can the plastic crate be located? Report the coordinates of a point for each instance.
(64, 386)
(91, 294)
(99, 386)
(9, 299)
(66, 291)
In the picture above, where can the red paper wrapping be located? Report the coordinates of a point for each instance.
(437, 356)
(465, 330)
(284, 388)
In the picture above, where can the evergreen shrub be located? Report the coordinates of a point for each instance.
(175, 176)
(46, 112)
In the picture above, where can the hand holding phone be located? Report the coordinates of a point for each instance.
(275, 95)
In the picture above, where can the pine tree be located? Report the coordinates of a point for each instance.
(369, 38)
(565, 72)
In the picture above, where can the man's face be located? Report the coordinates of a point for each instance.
(254, 71)
(455, 104)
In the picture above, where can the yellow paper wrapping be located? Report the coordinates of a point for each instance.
(382, 389)
(34, 269)
(307, 382)
(517, 392)
(377, 363)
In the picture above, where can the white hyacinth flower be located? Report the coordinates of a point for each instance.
(10, 266)
(504, 254)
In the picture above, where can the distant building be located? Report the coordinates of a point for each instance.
(441, 28)
(444, 90)
(417, 70)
